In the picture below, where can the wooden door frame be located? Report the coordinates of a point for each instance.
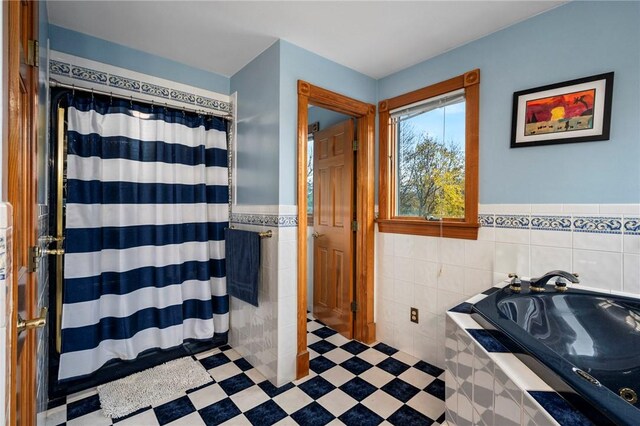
(22, 135)
(364, 325)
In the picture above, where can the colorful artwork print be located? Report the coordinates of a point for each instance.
(562, 113)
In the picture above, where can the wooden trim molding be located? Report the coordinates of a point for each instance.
(388, 221)
(364, 327)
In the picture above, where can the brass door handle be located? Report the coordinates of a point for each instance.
(317, 235)
(32, 323)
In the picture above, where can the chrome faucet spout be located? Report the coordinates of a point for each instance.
(537, 284)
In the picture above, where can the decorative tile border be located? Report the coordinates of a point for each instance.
(632, 225)
(76, 72)
(564, 223)
(515, 221)
(277, 221)
(551, 223)
(486, 220)
(598, 225)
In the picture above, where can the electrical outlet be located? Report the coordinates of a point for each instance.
(414, 315)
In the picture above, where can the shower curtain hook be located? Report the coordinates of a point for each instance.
(111, 98)
(73, 91)
(131, 101)
(92, 99)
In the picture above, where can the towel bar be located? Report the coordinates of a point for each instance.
(265, 234)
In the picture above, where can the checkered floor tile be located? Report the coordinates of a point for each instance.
(349, 383)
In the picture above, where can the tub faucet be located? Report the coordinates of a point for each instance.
(537, 284)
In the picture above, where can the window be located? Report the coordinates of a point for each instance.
(429, 160)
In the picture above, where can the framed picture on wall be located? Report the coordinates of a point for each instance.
(571, 111)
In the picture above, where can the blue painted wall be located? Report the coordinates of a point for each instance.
(96, 49)
(576, 40)
(325, 117)
(300, 64)
(257, 142)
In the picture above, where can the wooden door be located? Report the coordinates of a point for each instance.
(21, 193)
(333, 213)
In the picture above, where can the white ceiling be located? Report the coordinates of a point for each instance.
(375, 38)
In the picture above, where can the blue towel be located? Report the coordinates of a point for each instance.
(242, 252)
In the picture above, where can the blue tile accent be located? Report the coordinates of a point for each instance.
(463, 308)
(598, 225)
(235, 384)
(354, 347)
(385, 349)
(408, 416)
(243, 364)
(312, 415)
(166, 413)
(551, 223)
(324, 332)
(214, 361)
(490, 291)
(273, 391)
(560, 409)
(266, 414)
(360, 415)
(60, 68)
(322, 346)
(486, 220)
(436, 388)
(84, 406)
(356, 365)
(393, 366)
(321, 364)
(401, 390)
(56, 402)
(83, 73)
(317, 387)
(358, 389)
(487, 340)
(219, 412)
(632, 225)
(430, 369)
(285, 221)
(124, 83)
(515, 221)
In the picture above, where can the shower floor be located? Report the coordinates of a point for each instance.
(349, 383)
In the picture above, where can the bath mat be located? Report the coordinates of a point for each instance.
(148, 387)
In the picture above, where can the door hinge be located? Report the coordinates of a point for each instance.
(354, 306)
(33, 53)
(34, 256)
(355, 145)
(354, 226)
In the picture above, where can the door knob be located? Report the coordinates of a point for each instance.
(317, 235)
(32, 323)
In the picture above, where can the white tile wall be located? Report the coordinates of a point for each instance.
(266, 335)
(5, 300)
(434, 274)
(253, 331)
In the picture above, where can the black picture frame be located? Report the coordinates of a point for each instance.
(540, 114)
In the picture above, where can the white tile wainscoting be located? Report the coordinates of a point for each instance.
(600, 242)
(5, 304)
(266, 335)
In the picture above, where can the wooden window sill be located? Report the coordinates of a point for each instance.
(462, 230)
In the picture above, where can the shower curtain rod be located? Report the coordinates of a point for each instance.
(56, 83)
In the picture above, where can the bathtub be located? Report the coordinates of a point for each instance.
(586, 345)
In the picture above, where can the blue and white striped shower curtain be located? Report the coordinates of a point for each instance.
(146, 208)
